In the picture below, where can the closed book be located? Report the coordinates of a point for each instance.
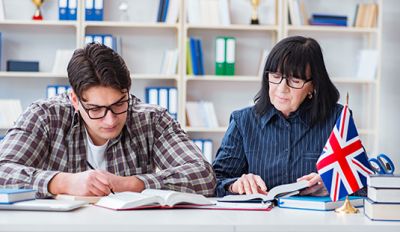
(220, 51)
(230, 56)
(382, 211)
(316, 203)
(274, 193)
(194, 56)
(22, 66)
(387, 195)
(9, 196)
(384, 181)
(326, 16)
(151, 198)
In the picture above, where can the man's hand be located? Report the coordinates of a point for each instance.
(93, 183)
(248, 184)
(315, 185)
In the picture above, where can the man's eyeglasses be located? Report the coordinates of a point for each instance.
(98, 112)
(292, 82)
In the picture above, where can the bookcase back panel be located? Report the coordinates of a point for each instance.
(141, 49)
(224, 103)
(36, 44)
(24, 10)
(137, 10)
(139, 86)
(31, 90)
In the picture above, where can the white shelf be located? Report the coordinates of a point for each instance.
(32, 75)
(234, 27)
(224, 78)
(340, 29)
(206, 129)
(24, 23)
(129, 25)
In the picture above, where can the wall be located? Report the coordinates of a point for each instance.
(390, 95)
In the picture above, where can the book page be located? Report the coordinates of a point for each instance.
(128, 200)
(172, 198)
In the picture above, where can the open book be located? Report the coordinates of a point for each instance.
(278, 191)
(151, 198)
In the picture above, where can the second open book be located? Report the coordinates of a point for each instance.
(274, 193)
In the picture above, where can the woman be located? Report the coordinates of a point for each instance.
(279, 139)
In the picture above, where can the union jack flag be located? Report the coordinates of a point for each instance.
(343, 164)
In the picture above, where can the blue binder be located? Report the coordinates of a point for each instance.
(98, 10)
(72, 9)
(89, 10)
(63, 9)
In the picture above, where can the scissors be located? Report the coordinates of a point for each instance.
(382, 164)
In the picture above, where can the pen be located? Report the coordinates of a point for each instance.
(91, 167)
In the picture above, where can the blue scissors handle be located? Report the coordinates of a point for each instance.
(382, 164)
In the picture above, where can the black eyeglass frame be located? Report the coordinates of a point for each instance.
(287, 79)
(108, 108)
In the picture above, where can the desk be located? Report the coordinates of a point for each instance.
(92, 218)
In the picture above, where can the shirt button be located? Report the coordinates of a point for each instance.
(287, 125)
(286, 150)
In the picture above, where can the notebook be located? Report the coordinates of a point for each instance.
(44, 205)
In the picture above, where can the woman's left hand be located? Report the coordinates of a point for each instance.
(315, 185)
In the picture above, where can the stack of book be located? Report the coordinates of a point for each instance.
(195, 62)
(328, 20)
(168, 11)
(383, 201)
(366, 15)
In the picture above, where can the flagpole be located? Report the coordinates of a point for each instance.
(347, 207)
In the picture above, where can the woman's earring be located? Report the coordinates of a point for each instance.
(310, 95)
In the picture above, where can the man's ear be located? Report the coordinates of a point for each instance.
(74, 100)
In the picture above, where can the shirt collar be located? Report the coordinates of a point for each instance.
(302, 114)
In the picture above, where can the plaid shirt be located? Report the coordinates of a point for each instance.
(49, 137)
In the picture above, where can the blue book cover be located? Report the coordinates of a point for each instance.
(199, 48)
(326, 16)
(195, 55)
(165, 10)
(160, 11)
(316, 203)
(8, 196)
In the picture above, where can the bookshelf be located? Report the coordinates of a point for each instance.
(143, 42)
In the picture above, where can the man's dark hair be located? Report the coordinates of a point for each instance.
(97, 65)
(291, 56)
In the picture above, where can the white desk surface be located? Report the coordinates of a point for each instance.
(92, 218)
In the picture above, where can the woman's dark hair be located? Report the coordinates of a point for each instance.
(97, 65)
(291, 56)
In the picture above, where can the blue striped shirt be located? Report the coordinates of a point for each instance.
(276, 148)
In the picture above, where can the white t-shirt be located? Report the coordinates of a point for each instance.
(95, 154)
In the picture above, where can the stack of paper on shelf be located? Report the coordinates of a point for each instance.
(368, 63)
(170, 62)
(10, 111)
(201, 114)
(383, 201)
(208, 12)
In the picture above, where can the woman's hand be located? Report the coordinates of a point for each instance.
(248, 184)
(315, 185)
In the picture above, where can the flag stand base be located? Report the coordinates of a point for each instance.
(347, 208)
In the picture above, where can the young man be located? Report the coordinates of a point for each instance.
(100, 139)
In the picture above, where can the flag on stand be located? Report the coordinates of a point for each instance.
(343, 164)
